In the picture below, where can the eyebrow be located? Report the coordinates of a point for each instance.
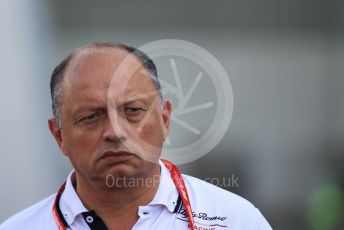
(140, 102)
(140, 97)
(87, 108)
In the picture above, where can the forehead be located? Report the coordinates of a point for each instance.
(94, 73)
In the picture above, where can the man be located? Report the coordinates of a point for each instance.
(110, 120)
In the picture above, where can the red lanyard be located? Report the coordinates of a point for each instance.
(58, 216)
(177, 180)
(180, 185)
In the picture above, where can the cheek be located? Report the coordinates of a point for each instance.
(81, 149)
(79, 143)
(152, 132)
(150, 143)
(152, 135)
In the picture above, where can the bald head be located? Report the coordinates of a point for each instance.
(60, 70)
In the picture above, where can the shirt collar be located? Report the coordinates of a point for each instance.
(166, 195)
(70, 203)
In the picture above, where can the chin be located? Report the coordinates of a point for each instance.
(122, 170)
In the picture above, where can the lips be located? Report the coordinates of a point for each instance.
(115, 157)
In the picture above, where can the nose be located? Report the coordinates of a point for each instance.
(113, 130)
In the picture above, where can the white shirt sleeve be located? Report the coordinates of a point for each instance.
(261, 223)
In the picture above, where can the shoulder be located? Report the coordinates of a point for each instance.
(211, 202)
(37, 216)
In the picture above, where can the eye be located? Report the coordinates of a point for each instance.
(132, 110)
(90, 118)
(133, 113)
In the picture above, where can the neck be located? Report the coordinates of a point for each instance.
(116, 203)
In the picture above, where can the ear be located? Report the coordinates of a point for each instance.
(166, 115)
(55, 131)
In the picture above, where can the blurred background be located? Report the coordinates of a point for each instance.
(285, 60)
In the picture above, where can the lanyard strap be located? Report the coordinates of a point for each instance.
(177, 180)
(60, 221)
(180, 185)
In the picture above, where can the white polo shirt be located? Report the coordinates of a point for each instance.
(213, 208)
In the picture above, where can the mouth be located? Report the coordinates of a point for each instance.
(116, 157)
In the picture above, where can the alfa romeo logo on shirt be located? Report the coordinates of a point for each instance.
(201, 93)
